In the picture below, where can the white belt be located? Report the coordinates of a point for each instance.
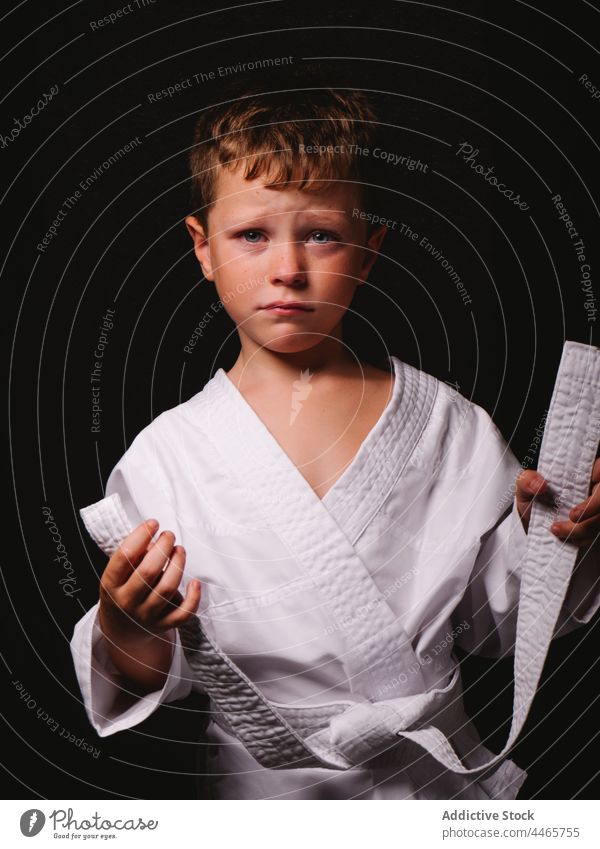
(343, 734)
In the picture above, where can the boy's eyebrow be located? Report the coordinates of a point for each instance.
(255, 216)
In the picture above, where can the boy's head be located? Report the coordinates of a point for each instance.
(282, 184)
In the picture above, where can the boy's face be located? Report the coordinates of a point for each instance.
(267, 245)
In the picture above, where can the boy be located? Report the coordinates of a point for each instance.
(303, 482)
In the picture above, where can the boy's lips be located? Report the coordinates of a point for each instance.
(288, 307)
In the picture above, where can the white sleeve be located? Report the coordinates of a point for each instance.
(490, 602)
(135, 490)
(109, 705)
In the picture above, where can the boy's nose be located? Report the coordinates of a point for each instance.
(285, 263)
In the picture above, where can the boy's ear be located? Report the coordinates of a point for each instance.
(201, 245)
(372, 249)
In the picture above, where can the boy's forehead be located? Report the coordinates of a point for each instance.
(238, 197)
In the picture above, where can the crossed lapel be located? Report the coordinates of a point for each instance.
(319, 536)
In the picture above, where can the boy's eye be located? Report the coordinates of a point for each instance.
(320, 237)
(323, 235)
(251, 236)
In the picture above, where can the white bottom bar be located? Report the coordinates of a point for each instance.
(335, 823)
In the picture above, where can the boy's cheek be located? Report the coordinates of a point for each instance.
(237, 274)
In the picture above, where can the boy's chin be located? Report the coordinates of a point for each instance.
(293, 344)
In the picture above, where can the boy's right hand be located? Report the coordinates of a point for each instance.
(137, 599)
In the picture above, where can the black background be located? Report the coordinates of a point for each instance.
(502, 76)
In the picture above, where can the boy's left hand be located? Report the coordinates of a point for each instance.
(583, 526)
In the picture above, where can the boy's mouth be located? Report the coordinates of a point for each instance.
(288, 307)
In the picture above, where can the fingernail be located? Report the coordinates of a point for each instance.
(555, 528)
(152, 523)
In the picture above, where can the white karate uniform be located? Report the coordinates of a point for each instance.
(424, 514)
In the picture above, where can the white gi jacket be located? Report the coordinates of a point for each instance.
(423, 517)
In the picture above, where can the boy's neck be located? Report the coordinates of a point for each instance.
(255, 366)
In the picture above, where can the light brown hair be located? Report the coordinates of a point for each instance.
(266, 134)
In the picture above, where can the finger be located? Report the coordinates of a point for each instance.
(588, 508)
(145, 576)
(187, 607)
(161, 595)
(128, 554)
(577, 532)
(532, 486)
(168, 605)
